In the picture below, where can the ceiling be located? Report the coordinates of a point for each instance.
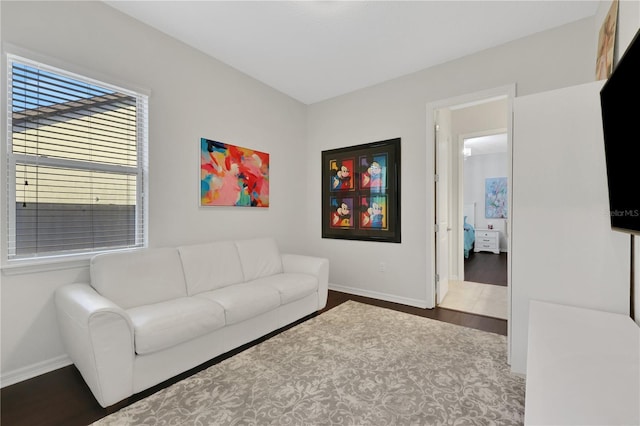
(483, 145)
(315, 50)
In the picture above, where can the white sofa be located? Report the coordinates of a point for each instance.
(151, 314)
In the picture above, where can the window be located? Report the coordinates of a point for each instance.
(77, 164)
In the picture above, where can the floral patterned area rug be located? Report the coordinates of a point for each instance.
(355, 364)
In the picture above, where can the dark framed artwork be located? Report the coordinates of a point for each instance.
(361, 192)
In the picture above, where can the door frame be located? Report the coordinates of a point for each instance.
(469, 99)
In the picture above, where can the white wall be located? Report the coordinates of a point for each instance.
(628, 23)
(477, 168)
(194, 96)
(191, 96)
(557, 58)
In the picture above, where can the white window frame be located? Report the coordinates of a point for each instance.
(141, 171)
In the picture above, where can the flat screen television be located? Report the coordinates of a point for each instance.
(620, 105)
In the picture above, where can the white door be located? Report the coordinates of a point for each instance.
(443, 224)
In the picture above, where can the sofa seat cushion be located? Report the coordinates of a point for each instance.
(165, 324)
(291, 287)
(243, 301)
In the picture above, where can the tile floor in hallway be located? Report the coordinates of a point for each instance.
(477, 298)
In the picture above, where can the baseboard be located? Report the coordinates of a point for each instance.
(31, 371)
(381, 296)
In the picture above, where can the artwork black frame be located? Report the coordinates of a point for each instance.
(361, 192)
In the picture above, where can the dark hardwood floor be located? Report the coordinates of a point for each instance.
(62, 398)
(486, 268)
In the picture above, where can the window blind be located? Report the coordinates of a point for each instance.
(77, 163)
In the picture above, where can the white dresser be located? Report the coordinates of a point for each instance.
(487, 240)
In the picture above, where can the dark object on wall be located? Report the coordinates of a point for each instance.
(620, 112)
(620, 115)
(361, 192)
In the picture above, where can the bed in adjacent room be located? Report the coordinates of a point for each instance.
(469, 228)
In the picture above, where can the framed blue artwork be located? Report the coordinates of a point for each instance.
(495, 198)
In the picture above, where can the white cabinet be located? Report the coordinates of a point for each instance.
(487, 240)
(583, 367)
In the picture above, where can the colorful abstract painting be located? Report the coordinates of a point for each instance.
(233, 176)
(495, 198)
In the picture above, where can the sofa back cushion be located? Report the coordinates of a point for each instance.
(260, 257)
(138, 278)
(210, 266)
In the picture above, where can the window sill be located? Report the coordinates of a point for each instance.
(53, 263)
(29, 266)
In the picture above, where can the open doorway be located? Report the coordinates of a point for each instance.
(484, 171)
(471, 119)
(479, 283)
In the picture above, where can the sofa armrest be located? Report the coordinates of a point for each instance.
(99, 338)
(316, 266)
